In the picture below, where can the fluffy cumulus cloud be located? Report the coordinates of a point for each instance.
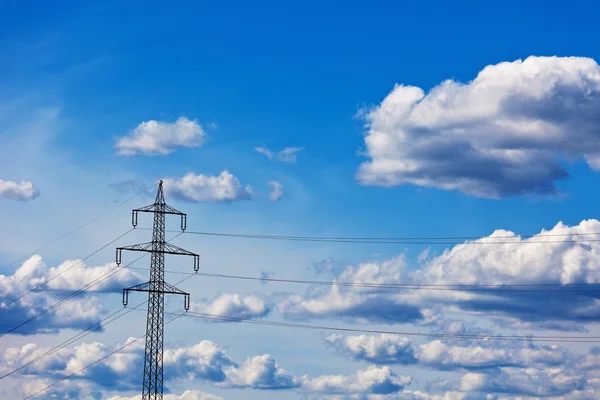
(233, 306)
(378, 349)
(441, 355)
(79, 312)
(287, 155)
(261, 372)
(356, 304)
(373, 380)
(22, 191)
(203, 362)
(520, 261)
(524, 382)
(505, 133)
(277, 192)
(161, 138)
(187, 395)
(223, 188)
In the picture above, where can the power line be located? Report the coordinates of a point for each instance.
(95, 362)
(82, 334)
(96, 281)
(391, 240)
(73, 231)
(554, 287)
(558, 339)
(62, 272)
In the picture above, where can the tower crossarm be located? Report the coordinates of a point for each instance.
(151, 287)
(167, 248)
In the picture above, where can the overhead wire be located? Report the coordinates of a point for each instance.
(397, 240)
(95, 362)
(558, 339)
(63, 271)
(102, 323)
(96, 281)
(540, 287)
(75, 230)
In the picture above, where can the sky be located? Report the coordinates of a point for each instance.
(473, 122)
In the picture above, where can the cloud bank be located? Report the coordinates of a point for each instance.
(503, 134)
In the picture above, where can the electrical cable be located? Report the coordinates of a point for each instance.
(95, 362)
(75, 230)
(101, 278)
(555, 287)
(558, 339)
(62, 272)
(83, 333)
(391, 240)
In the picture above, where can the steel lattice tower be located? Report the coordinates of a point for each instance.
(156, 287)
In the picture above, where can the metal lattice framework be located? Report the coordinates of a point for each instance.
(156, 288)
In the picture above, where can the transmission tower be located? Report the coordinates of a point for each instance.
(156, 287)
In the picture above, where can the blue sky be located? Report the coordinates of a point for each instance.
(493, 127)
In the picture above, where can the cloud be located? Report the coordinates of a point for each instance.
(442, 355)
(134, 185)
(153, 138)
(22, 191)
(373, 380)
(356, 304)
(506, 133)
(261, 372)
(287, 155)
(224, 188)
(520, 261)
(524, 381)
(79, 312)
(378, 349)
(187, 395)
(277, 192)
(203, 362)
(233, 306)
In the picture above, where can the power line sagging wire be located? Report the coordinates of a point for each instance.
(62, 272)
(95, 362)
(3, 268)
(103, 323)
(466, 240)
(93, 283)
(531, 287)
(557, 339)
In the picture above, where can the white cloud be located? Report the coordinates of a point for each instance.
(161, 138)
(524, 381)
(473, 355)
(373, 380)
(287, 155)
(260, 372)
(523, 262)
(503, 134)
(378, 349)
(187, 395)
(202, 188)
(234, 306)
(22, 191)
(79, 312)
(277, 192)
(203, 362)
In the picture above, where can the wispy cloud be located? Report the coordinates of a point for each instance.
(277, 192)
(287, 155)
